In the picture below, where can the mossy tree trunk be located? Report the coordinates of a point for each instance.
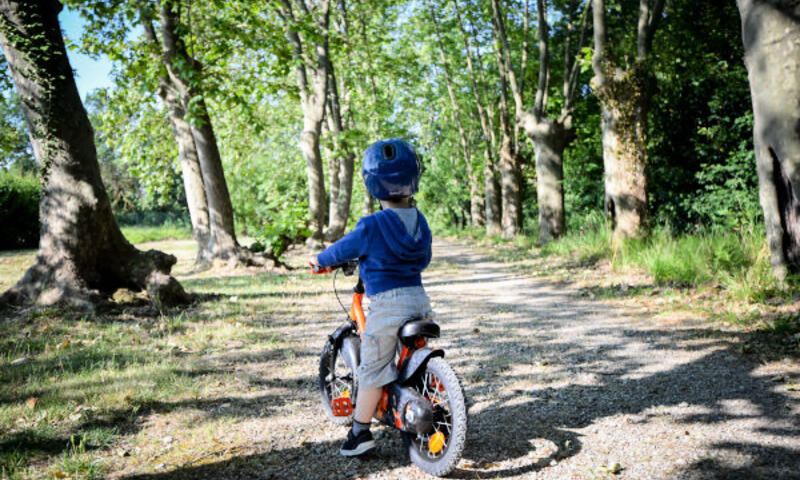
(83, 257)
(624, 94)
(771, 35)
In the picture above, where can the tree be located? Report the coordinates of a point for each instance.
(492, 202)
(624, 92)
(187, 148)
(343, 157)
(83, 256)
(509, 165)
(551, 135)
(476, 209)
(186, 74)
(181, 81)
(311, 73)
(771, 33)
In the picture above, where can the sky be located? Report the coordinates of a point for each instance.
(90, 73)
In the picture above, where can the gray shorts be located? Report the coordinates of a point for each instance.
(388, 311)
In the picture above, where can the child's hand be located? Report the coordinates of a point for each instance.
(312, 260)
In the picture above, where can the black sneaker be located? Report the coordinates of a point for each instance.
(357, 444)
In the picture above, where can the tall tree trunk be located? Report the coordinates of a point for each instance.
(771, 35)
(342, 176)
(624, 98)
(192, 176)
(83, 256)
(313, 95)
(510, 178)
(183, 68)
(491, 198)
(551, 136)
(187, 150)
(477, 218)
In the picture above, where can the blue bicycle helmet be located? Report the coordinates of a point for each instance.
(390, 169)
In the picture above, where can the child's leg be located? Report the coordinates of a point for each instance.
(366, 403)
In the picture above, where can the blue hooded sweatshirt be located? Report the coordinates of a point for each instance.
(388, 256)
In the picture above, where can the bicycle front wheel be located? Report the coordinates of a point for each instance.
(336, 380)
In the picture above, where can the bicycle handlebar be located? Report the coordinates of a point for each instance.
(348, 268)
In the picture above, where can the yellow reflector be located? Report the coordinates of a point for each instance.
(436, 442)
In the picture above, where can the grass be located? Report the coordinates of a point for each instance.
(735, 263)
(141, 234)
(72, 385)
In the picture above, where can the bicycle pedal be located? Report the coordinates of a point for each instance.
(342, 407)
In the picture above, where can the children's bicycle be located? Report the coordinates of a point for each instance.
(426, 402)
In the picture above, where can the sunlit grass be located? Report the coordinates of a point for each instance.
(141, 234)
(71, 384)
(735, 261)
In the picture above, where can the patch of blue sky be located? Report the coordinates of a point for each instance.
(90, 73)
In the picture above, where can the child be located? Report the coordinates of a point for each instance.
(393, 247)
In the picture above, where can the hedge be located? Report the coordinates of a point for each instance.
(19, 211)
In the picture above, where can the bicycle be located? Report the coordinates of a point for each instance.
(426, 402)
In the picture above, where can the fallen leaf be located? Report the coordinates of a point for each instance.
(20, 361)
(32, 402)
(60, 474)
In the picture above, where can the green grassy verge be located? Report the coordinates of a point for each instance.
(140, 234)
(735, 262)
(73, 386)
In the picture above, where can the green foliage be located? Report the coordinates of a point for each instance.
(15, 148)
(19, 211)
(729, 192)
(286, 225)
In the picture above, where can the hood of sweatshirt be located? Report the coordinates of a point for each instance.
(400, 242)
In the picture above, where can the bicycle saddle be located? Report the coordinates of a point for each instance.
(418, 327)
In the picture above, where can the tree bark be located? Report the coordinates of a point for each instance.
(313, 95)
(182, 69)
(341, 177)
(551, 136)
(624, 98)
(83, 257)
(187, 152)
(771, 35)
(491, 197)
(192, 176)
(477, 218)
(510, 178)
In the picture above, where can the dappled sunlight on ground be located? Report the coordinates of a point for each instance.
(558, 385)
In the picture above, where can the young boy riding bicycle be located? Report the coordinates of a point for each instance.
(393, 247)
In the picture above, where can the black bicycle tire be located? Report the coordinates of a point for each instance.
(456, 443)
(327, 351)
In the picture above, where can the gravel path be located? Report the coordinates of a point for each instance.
(559, 388)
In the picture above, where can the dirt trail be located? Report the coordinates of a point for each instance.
(559, 388)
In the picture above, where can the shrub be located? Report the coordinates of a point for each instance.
(19, 211)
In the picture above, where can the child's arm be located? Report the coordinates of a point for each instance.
(350, 247)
